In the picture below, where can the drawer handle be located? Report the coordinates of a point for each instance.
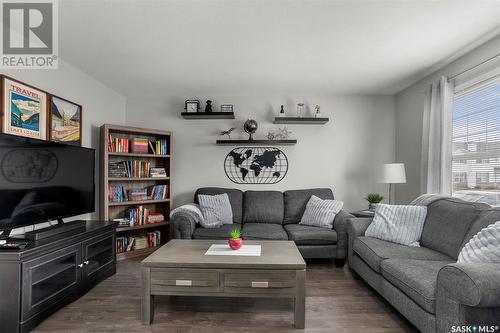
(260, 284)
(79, 265)
(186, 283)
(86, 262)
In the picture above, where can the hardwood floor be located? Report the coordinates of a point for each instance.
(335, 302)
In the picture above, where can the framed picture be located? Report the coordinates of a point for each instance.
(192, 105)
(65, 121)
(23, 109)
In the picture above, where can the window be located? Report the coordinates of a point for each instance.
(476, 141)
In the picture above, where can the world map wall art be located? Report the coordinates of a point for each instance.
(256, 165)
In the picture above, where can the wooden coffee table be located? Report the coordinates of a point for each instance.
(181, 268)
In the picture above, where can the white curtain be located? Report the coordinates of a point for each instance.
(436, 138)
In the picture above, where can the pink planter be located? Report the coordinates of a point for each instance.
(235, 244)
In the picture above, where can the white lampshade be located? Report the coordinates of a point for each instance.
(393, 173)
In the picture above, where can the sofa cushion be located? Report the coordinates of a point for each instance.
(373, 251)
(447, 222)
(264, 231)
(416, 278)
(400, 224)
(235, 198)
(483, 247)
(263, 207)
(321, 213)
(216, 233)
(307, 235)
(296, 201)
(216, 210)
(486, 217)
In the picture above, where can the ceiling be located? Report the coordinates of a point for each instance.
(191, 48)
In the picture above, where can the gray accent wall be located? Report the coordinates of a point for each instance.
(341, 155)
(409, 114)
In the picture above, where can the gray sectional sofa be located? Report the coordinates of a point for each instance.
(425, 283)
(273, 215)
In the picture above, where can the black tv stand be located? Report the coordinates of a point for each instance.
(60, 228)
(48, 274)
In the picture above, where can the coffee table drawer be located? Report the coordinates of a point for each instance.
(267, 282)
(184, 280)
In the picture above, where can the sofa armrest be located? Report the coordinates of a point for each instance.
(184, 226)
(340, 221)
(355, 227)
(472, 284)
(340, 226)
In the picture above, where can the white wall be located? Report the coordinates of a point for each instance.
(100, 104)
(341, 154)
(410, 104)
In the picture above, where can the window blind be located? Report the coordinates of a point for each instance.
(476, 141)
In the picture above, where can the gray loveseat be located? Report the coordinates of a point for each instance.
(425, 283)
(273, 215)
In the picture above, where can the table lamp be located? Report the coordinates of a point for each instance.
(392, 173)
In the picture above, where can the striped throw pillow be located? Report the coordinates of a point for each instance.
(216, 210)
(321, 213)
(483, 247)
(398, 224)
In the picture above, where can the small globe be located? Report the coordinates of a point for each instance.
(250, 126)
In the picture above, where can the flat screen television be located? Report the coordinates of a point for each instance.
(42, 181)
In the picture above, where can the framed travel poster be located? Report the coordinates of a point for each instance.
(23, 109)
(65, 121)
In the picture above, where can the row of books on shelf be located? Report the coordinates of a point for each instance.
(139, 215)
(119, 193)
(126, 244)
(118, 145)
(137, 145)
(135, 168)
(161, 147)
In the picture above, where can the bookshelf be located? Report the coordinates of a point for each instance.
(148, 158)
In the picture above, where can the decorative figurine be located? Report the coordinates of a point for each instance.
(208, 107)
(317, 114)
(282, 112)
(228, 132)
(270, 136)
(283, 134)
(250, 127)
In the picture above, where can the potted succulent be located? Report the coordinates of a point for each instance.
(235, 242)
(373, 199)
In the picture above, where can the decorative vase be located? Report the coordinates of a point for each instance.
(235, 244)
(300, 110)
(371, 206)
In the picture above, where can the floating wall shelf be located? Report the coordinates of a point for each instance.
(256, 142)
(301, 120)
(207, 115)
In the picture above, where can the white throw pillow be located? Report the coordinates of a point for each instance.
(321, 213)
(398, 224)
(216, 210)
(483, 247)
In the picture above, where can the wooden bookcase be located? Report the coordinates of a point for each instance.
(112, 210)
